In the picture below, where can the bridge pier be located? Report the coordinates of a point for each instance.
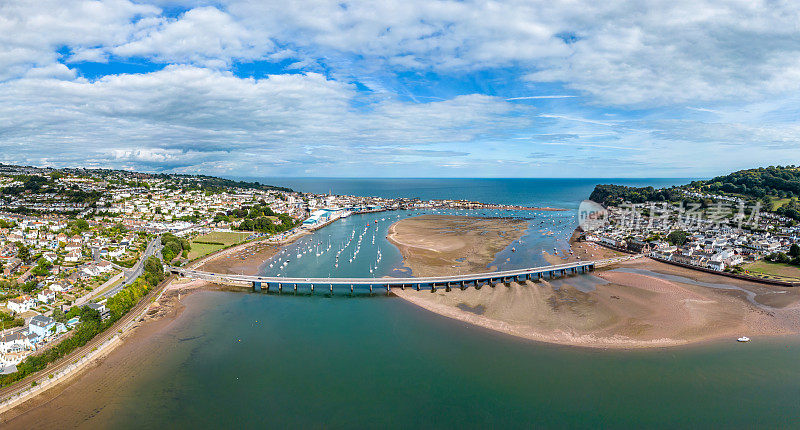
(388, 289)
(351, 288)
(312, 288)
(331, 288)
(256, 286)
(447, 287)
(416, 286)
(370, 288)
(280, 288)
(463, 285)
(295, 288)
(433, 287)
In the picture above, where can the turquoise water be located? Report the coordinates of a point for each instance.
(255, 361)
(357, 247)
(250, 360)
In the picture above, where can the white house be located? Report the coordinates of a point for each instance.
(21, 304)
(73, 256)
(43, 327)
(46, 296)
(15, 341)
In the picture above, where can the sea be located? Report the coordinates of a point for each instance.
(368, 360)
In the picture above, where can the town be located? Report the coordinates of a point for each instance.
(725, 234)
(72, 238)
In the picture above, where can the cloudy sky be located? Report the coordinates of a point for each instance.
(420, 88)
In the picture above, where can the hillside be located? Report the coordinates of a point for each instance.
(776, 187)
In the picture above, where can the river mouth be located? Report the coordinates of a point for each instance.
(342, 357)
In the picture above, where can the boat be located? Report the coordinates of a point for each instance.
(743, 339)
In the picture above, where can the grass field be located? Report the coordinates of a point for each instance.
(224, 237)
(202, 249)
(773, 269)
(776, 203)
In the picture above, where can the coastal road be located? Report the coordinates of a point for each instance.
(153, 248)
(67, 361)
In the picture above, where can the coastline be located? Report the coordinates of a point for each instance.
(156, 317)
(640, 303)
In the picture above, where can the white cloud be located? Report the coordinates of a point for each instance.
(203, 35)
(32, 32)
(186, 117)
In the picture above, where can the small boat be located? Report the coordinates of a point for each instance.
(743, 339)
(513, 249)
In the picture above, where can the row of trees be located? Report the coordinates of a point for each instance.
(266, 225)
(608, 194)
(775, 181)
(174, 246)
(90, 322)
(793, 257)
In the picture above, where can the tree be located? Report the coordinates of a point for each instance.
(678, 237)
(794, 250)
(23, 253)
(42, 268)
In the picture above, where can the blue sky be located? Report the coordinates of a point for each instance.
(411, 88)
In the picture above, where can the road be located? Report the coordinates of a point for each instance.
(153, 248)
(122, 325)
(389, 281)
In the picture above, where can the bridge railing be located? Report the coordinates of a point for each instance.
(499, 275)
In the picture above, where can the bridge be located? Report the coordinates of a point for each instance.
(477, 280)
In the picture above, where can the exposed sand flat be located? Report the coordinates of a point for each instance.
(245, 259)
(639, 303)
(629, 311)
(438, 245)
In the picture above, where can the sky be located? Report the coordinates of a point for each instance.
(401, 88)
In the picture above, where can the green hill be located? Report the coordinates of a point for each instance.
(776, 187)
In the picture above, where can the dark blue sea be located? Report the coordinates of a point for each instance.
(564, 193)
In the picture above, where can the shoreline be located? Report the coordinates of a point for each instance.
(635, 304)
(158, 313)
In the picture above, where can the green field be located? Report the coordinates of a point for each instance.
(776, 203)
(202, 249)
(223, 237)
(774, 270)
(215, 238)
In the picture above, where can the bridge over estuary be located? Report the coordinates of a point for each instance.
(265, 283)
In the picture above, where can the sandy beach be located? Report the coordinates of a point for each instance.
(65, 404)
(614, 308)
(439, 245)
(635, 304)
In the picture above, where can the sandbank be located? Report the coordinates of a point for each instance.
(439, 245)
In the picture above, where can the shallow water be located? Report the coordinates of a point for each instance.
(248, 360)
(751, 296)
